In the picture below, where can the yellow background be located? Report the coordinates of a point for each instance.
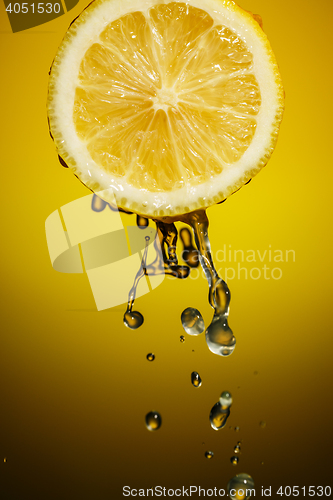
(75, 383)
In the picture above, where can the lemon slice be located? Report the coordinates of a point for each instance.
(172, 106)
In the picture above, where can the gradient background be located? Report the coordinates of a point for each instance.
(75, 383)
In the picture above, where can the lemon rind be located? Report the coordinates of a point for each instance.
(165, 204)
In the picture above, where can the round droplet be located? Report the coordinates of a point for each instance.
(133, 319)
(182, 338)
(196, 379)
(5, 460)
(219, 336)
(226, 399)
(234, 460)
(150, 356)
(237, 449)
(192, 321)
(240, 486)
(209, 454)
(153, 421)
(237, 429)
(262, 424)
(142, 222)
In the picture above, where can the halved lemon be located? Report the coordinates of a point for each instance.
(172, 106)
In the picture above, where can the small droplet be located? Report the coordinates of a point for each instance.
(262, 424)
(142, 222)
(196, 379)
(262, 463)
(241, 487)
(133, 319)
(192, 321)
(150, 356)
(220, 412)
(237, 429)
(5, 460)
(153, 421)
(255, 373)
(234, 460)
(237, 449)
(182, 338)
(209, 454)
(239, 443)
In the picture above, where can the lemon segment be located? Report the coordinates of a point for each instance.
(172, 106)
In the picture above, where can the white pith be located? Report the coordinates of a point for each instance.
(189, 197)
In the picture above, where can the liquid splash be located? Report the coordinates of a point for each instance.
(219, 336)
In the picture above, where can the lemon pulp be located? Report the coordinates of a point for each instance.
(168, 105)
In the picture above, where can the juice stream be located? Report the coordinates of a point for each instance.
(219, 336)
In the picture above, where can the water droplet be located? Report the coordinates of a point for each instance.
(150, 356)
(220, 412)
(5, 460)
(234, 460)
(133, 319)
(237, 449)
(182, 338)
(153, 421)
(255, 373)
(237, 429)
(192, 321)
(209, 454)
(196, 379)
(219, 336)
(262, 424)
(239, 487)
(141, 222)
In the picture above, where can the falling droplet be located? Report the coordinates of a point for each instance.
(192, 321)
(237, 449)
(234, 460)
(97, 204)
(220, 412)
(209, 454)
(196, 379)
(153, 421)
(262, 424)
(133, 319)
(5, 460)
(237, 429)
(182, 338)
(219, 336)
(240, 486)
(150, 356)
(142, 222)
